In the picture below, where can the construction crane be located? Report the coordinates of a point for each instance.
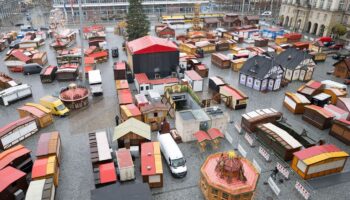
(196, 18)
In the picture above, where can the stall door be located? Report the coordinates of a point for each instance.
(270, 86)
(302, 75)
(308, 75)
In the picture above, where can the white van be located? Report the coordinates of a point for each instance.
(95, 82)
(172, 155)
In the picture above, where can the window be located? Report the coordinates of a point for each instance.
(224, 196)
(147, 87)
(214, 191)
(155, 114)
(314, 2)
(341, 5)
(141, 88)
(321, 3)
(329, 3)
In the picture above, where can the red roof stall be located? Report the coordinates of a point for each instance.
(17, 157)
(67, 72)
(49, 144)
(121, 84)
(233, 97)
(141, 100)
(17, 131)
(318, 116)
(325, 39)
(344, 103)
(119, 69)
(151, 164)
(48, 74)
(12, 180)
(292, 37)
(124, 97)
(41, 114)
(100, 56)
(44, 168)
(152, 55)
(337, 112)
(195, 80)
(125, 164)
(130, 111)
(16, 60)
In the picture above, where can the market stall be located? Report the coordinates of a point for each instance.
(42, 115)
(295, 102)
(151, 164)
(318, 116)
(319, 161)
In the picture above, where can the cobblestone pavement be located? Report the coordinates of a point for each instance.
(76, 178)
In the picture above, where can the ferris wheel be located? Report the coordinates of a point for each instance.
(57, 20)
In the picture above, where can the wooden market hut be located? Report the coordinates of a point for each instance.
(141, 100)
(164, 31)
(17, 157)
(338, 112)
(233, 98)
(44, 168)
(16, 131)
(279, 140)
(49, 144)
(48, 74)
(154, 114)
(252, 119)
(321, 99)
(295, 102)
(130, 111)
(342, 68)
(335, 94)
(237, 64)
(42, 115)
(220, 60)
(222, 45)
(12, 180)
(121, 84)
(40, 58)
(124, 97)
(151, 164)
(344, 103)
(341, 130)
(319, 161)
(132, 132)
(318, 116)
(195, 80)
(105, 174)
(43, 189)
(215, 82)
(202, 70)
(311, 89)
(125, 164)
(206, 46)
(119, 70)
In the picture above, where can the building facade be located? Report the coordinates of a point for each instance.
(316, 17)
(112, 9)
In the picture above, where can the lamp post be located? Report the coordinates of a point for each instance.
(81, 40)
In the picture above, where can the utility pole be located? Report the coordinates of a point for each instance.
(82, 41)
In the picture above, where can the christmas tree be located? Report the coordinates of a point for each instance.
(138, 24)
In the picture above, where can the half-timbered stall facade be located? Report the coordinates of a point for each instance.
(297, 64)
(261, 73)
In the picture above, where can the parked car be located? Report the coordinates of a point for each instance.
(336, 46)
(15, 44)
(32, 68)
(266, 13)
(341, 54)
(115, 52)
